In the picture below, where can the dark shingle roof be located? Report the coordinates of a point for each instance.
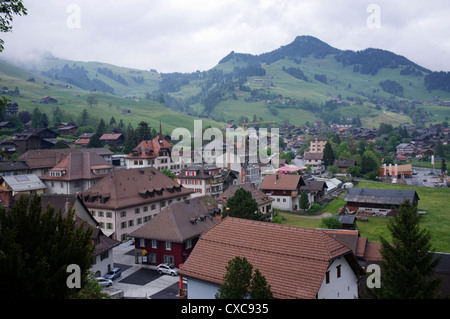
(380, 196)
(180, 221)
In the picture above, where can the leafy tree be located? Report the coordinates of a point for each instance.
(38, 244)
(168, 173)
(331, 223)
(9, 8)
(239, 283)
(242, 205)
(304, 201)
(91, 100)
(407, 264)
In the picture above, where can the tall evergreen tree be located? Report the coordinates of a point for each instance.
(328, 155)
(38, 244)
(259, 288)
(239, 283)
(304, 201)
(407, 265)
(237, 279)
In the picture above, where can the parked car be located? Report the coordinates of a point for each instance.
(167, 269)
(114, 273)
(104, 282)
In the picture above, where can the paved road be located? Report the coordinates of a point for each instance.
(139, 282)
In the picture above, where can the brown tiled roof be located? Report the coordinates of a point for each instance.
(259, 196)
(44, 158)
(79, 166)
(372, 252)
(110, 136)
(313, 156)
(281, 182)
(132, 187)
(179, 222)
(294, 260)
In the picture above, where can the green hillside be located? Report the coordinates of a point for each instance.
(304, 81)
(73, 100)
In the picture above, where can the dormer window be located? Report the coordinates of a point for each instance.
(57, 173)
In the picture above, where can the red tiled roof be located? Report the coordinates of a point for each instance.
(79, 166)
(294, 260)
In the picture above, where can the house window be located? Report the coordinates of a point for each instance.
(153, 207)
(168, 245)
(327, 277)
(189, 243)
(123, 214)
(338, 268)
(130, 223)
(109, 226)
(142, 242)
(169, 259)
(123, 225)
(137, 210)
(154, 244)
(100, 214)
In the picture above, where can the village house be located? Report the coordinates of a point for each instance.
(405, 149)
(13, 168)
(75, 173)
(154, 153)
(202, 179)
(344, 164)
(113, 140)
(317, 144)
(315, 161)
(126, 199)
(284, 189)
(298, 263)
(171, 235)
(378, 202)
(263, 201)
(315, 189)
(67, 128)
(17, 185)
(41, 161)
(34, 139)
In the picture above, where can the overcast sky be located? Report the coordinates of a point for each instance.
(190, 35)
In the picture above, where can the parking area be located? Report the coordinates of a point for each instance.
(425, 177)
(138, 282)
